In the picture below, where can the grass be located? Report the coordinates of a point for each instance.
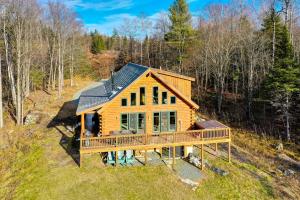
(38, 167)
(244, 181)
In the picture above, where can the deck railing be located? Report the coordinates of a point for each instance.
(169, 138)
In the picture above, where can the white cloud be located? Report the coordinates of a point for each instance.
(104, 5)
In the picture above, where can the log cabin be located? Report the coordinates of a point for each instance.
(142, 109)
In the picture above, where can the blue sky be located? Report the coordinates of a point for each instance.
(104, 15)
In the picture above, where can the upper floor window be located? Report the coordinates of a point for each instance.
(142, 96)
(155, 95)
(124, 102)
(164, 97)
(173, 100)
(133, 99)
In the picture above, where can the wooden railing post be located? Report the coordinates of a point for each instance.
(116, 141)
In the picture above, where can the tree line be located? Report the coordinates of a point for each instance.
(242, 53)
(40, 46)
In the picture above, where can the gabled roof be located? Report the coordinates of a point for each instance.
(171, 87)
(103, 93)
(96, 97)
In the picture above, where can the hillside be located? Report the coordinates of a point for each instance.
(103, 63)
(38, 163)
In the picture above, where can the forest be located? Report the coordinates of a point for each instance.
(243, 54)
(245, 58)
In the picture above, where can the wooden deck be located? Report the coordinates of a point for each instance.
(145, 141)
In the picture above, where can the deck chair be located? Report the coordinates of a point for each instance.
(121, 158)
(129, 157)
(111, 158)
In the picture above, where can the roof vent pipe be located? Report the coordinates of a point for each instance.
(112, 80)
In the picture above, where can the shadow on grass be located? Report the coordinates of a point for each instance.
(66, 117)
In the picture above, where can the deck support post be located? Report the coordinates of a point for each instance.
(161, 149)
(145, 157)
(185, 151)
(229, 152)
(116, 158)
(216, 147)
(174, 152)
(202, 157)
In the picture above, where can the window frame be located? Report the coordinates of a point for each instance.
(162, 97)
(143, 87)
(122, 102)
(121, 121)
(169, 119)
(137, 129)
(174, 99)
(157, 95)
(158, 131)
(132, 99)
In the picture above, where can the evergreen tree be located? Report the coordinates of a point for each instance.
(283, 80)
(181, 29)
(97, 43)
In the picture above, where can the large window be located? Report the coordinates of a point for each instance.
(164, 97)
(134, 122)
(156, 122)
(124, 102)
(124, 122)
(155, 95)
(164, 121)
(142, 96)
(173, 100)
(133, 99)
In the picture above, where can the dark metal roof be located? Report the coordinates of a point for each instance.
(104, 93)
(209, 124)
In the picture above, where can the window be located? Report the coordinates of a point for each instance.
(133, 99)
(124, 102)
(172, 121)
(132, 121)
(142, 96)
(164, 97)
(155, 95)
(173, 100)
(141, 123)
(164, 121)
(156, 122)
(124, 122)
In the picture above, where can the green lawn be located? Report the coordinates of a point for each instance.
(46, 171)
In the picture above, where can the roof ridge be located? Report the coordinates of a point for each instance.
(144, 66)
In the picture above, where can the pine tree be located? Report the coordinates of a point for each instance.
(98, 43)
(181, 29)
(283, 80)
